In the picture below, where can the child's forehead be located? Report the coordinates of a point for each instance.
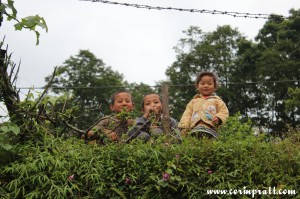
(152, 97)
(122, 95)
(207, 78)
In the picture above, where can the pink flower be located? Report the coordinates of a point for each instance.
(127, 181)
(209, 172)
(71, 177)
(177, 156)
(166, 177)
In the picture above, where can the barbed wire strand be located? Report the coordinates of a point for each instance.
(202, 11)
(171, 85)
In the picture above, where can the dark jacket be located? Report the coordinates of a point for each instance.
(144, 128)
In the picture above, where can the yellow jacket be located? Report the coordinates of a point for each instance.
(201, 111)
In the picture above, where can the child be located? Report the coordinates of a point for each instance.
(150, 124)
(115, 125)
(206, 111)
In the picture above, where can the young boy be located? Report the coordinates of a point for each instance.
(206, 111)
(115, 125)
(150, 124)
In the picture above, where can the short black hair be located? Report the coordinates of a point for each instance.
(112, 98)
(207, 73)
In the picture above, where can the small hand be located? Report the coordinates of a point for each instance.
(183, 132)
(89, 134)
(113, 136)
(216, 120)
(148, 112)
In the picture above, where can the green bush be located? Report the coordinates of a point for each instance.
(69, 168)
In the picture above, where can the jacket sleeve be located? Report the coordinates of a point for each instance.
(103, 126)
(140, 124)
(185, 120)
(223, 112)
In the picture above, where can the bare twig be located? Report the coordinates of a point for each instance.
(63, 108)
(73, 127)
(16, 75)
(45, 90)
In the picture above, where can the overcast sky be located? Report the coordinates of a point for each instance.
(135, 42)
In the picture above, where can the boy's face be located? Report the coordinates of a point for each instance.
(122, 101)
(206, 85)
(152, 102)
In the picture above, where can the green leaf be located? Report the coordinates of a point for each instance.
(10, 127)
(5, 146)
(18, 26)
(15, 129)
(162, 183)
(5, 129)
(10, 4)
(52, 100)
(119, 192)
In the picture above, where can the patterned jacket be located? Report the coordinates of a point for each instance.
(106, 126)
(201, 111)
(111, 124)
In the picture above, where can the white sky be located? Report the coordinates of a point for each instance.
(135, 42)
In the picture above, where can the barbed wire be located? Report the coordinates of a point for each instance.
(170, 85)
(202, 11)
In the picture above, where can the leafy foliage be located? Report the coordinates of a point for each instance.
(278, 43)
(71, 169)
(293, 103)
(7, 132)
(30, 22)
(90, 82)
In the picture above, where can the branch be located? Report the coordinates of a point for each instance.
(73, 127)
(45, 90)
(16, 75)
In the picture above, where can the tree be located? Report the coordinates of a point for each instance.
(293, 103)
(245, 83)
(278, 66)
(91, 83)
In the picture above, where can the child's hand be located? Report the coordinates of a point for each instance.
(113, 136)
(148, 112)
(216, 121)
(89, 134)
(184, 132)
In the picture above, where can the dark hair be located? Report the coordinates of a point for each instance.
(112, 98)
(210, 74)
(143, 100)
